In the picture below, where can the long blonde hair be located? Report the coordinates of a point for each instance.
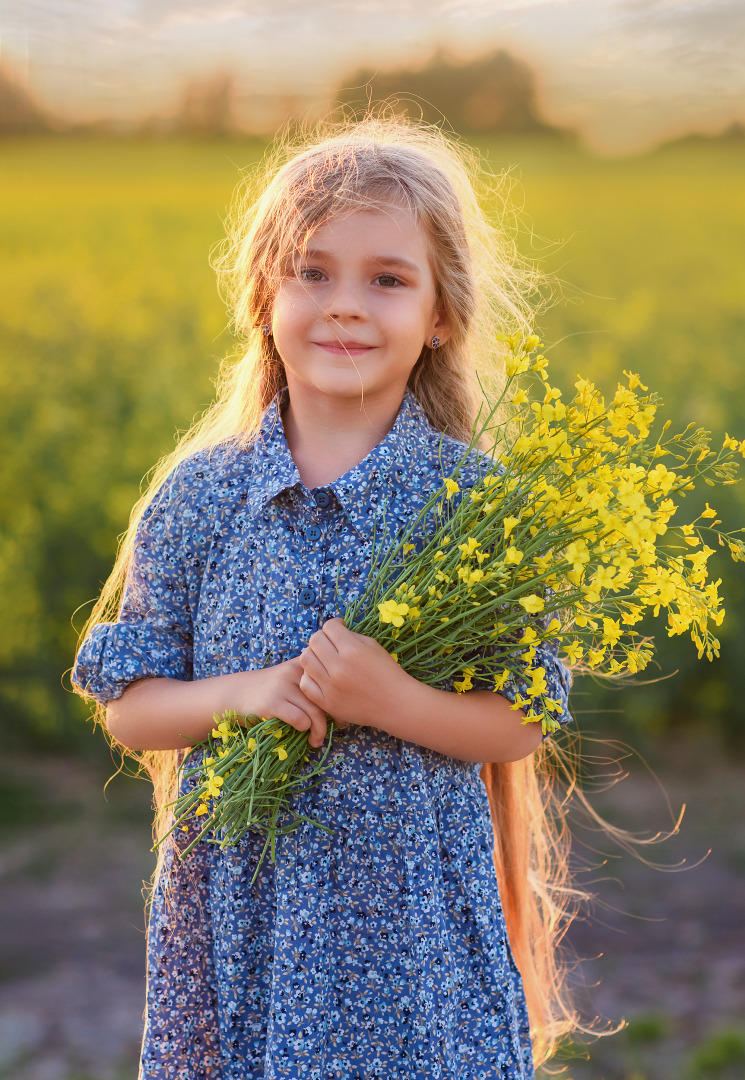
(485, 289)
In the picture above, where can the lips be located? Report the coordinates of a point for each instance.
(342, 348)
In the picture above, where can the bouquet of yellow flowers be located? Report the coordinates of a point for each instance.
(566, 536)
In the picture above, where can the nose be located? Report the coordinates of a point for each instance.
(344, 300)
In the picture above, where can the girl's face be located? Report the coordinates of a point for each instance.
(353, 316)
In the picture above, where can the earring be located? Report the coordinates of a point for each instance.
(435, 342)
(266, 329)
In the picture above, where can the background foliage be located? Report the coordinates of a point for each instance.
(111, 331)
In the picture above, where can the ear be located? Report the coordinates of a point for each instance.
(440, 326)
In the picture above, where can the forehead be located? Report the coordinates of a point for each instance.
(379, 229)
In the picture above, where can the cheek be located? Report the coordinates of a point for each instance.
(290, 317)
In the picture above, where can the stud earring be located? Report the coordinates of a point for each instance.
(266, 329)
(435, 343)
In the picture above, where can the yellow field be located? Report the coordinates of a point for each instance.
(112, 328)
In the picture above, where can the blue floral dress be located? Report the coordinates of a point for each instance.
(377, 950)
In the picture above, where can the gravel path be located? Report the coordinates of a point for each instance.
(663, 949)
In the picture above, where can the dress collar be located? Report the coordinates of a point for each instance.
(363, 490)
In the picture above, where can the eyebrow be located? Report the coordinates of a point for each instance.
(373, 260)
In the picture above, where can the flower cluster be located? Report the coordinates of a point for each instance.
(247, 777)
(567, 535)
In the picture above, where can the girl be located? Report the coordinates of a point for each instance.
(369, 287)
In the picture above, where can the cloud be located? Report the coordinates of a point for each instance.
(674, 24)
(700, 42)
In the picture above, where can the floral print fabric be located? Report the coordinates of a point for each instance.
(376, 949)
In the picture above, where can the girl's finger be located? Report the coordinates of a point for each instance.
(334, 631)
(316, 715)
(317, 726)
(314, 666)
(323, 639)
(295, 716)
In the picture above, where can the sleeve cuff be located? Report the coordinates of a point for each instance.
(558, 683)
(117, 654)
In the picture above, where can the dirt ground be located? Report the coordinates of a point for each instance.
(663, 949)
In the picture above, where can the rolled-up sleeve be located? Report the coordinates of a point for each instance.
(558, 682)
(153, 634)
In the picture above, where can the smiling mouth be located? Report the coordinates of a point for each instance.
(347, 348)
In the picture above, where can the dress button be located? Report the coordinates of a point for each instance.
(307, 596)
(314, 533)
(323, 499)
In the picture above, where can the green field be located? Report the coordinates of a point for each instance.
(112, 329)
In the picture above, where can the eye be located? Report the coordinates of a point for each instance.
(388, 281)
(310, 274)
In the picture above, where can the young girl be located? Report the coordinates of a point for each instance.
(369, 288)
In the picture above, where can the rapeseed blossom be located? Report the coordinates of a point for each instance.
(570, 534)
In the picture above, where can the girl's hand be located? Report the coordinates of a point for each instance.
(275, 692)
(349, 676)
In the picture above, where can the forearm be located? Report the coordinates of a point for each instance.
(477, 726)
(167, 714)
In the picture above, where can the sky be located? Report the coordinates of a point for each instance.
(626, 73)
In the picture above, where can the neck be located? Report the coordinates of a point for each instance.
(327, 438)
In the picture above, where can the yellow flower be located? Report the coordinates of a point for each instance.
(540, 364)
(732, 444)
(501, 680)
(573, 652)
(661, 479)
(467, 549)
(611, 631)
(252, 744)
(519, 397)
(514, 366)
(223, 731)
(509, 525)
(201, 809)
(466, 684)
(634, 380)
(512, 555)
(520, 702)
(281, 752)
(538, 685)
(532, 604)
(452, 487)
(708, 512)
(213, 785)
(391, 612)
(469, 576)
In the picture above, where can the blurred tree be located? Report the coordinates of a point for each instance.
(208, 108)
(19, 113)
(493, 93)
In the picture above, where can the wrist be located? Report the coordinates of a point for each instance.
(405, 707)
